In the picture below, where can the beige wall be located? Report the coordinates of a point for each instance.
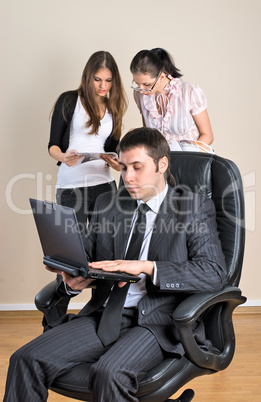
(45, 45)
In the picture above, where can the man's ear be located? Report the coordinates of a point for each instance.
(163, 164)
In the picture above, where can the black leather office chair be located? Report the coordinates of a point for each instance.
(219, 179)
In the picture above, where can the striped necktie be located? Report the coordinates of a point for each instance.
(110, 323)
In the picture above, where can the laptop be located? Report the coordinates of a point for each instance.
(62, 242)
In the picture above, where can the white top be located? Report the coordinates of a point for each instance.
(89, 173)
(182, 101)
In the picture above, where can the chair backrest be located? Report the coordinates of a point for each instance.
(217, 178)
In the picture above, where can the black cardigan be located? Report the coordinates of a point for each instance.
(60, 126)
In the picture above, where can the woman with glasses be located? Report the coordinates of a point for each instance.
(88, 119)
(176, 108)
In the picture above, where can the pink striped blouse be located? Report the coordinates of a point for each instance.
(183, 101)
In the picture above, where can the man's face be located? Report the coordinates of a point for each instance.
(139, 173)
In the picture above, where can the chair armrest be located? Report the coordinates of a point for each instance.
(47, 296)
(191, 309)
(52, 303)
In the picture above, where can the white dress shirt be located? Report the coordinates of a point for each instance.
(138, 290)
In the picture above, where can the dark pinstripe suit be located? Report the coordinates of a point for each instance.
(189, 258)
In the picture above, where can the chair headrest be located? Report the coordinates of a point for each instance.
(192, 172)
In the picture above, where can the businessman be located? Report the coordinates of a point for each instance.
(179, 252)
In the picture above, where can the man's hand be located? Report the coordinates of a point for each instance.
(129, 266)
(75, 283)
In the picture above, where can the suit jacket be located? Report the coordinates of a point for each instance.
(185, 246)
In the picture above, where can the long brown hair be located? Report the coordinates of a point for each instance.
(116, 101)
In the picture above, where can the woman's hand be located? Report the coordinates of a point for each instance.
(70, 158)
(112, 162)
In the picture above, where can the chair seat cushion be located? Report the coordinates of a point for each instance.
(74, 382)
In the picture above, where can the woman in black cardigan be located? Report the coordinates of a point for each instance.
(88, 119)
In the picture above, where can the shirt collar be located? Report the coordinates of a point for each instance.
(155, 202)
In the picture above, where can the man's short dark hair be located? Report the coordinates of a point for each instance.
(155, 144)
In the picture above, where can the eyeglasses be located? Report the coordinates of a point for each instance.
(137, 88)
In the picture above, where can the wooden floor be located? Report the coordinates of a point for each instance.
(240, 382)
